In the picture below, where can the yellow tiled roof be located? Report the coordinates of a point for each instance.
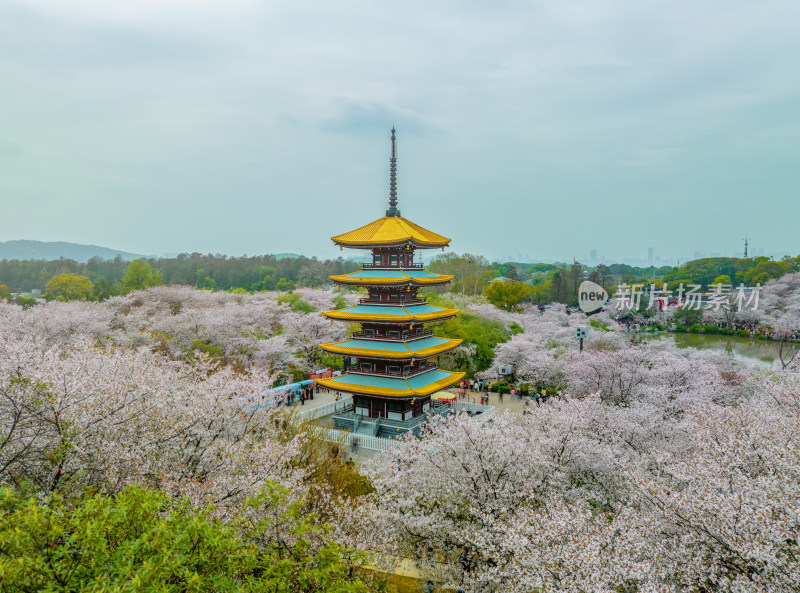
(346, 315)
(338, 384)
(391, 230)
(337, 348)
(407, 277)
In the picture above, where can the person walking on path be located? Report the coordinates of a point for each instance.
(536, 397)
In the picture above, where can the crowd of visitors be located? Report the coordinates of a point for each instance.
(482, 389)
(753, 329)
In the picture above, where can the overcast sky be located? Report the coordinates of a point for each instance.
(542, 129)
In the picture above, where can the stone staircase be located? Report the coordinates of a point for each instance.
(384, 427)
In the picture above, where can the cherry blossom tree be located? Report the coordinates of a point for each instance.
(83, 416)
(467, 479)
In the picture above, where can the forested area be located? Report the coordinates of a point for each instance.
(546, 283)
(264, 272)
(473, 275)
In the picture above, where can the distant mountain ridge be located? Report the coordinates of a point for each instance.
(49, 250)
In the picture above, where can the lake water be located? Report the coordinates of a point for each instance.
(758, 351)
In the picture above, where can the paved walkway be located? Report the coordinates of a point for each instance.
(507, 403)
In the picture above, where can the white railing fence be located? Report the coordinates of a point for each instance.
(326, 409)
(365, 441)
(470, 408)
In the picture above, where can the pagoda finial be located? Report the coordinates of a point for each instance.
(393, 211)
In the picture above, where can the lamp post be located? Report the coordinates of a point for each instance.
(581, 332)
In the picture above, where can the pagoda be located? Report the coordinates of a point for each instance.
(390, 363)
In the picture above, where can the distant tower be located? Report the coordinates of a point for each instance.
(649, 256)
(393, 211)
(745, 246)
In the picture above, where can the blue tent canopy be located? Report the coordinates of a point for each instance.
(290, 388)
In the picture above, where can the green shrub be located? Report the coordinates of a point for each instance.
(599, 324)
(209, 349)
(143, 540)
(295, 301)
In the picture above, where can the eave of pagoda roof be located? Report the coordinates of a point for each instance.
(392, 313)
(389, 231)
(392, 349)
(418, 385)
(392, 277)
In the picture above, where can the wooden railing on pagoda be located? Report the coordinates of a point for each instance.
(392, 267)
(411, 373)
(407, 301)
(411, 336)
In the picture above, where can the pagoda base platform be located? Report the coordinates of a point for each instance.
(379, 427)
(388, 428)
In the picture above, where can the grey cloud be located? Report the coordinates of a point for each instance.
(354, 116)
(39, 41)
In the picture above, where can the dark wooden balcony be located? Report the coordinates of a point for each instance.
(401, 374)
(411, 336)
(406, 301)
(393, 267)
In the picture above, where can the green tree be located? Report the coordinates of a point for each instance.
(484, 334)
(143, 540)
(470, 272)
(283, 285)
(312, 274)
(103, 289)
(139, 274)
(766, 270)
(604, 276)
(575, 277)
(723, 279)
(296, 302)
(541, 294)
(69, 287)
(507, 294)
(558, 287)
(687, 316)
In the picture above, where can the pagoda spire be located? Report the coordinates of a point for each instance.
(393, 211)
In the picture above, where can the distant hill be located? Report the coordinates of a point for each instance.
(50, 250)
(280, 256)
